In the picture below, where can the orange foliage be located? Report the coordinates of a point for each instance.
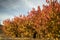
(40, 21)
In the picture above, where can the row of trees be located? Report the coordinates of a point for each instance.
(37, 24)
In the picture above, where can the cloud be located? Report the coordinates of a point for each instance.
(11, 8)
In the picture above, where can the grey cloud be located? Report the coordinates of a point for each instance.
(10, 8)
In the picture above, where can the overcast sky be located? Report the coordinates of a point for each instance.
(11, 8)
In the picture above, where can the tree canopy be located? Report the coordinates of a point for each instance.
(43, 23)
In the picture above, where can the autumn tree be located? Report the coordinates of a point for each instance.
(38, 23)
